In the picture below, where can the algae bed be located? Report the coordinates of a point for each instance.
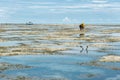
(59, 52)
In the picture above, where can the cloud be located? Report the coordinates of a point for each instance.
(78, 7)
(3, 13)
(75, 6)
(37, 3)
(58, 7)
(66, 20)
(99, 1)
(6, 12)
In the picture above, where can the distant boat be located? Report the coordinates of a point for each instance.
(29, 23)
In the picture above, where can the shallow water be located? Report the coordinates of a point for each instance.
(59, 52)
(59, 66)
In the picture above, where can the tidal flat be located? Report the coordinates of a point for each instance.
(59, 52)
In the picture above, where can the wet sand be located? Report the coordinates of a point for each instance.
(48, 39)
(103, 43)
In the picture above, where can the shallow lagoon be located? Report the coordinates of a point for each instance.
(54, 52)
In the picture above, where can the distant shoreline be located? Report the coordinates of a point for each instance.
(60, 24)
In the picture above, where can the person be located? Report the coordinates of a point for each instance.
(82, 26)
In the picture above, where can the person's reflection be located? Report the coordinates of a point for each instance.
(82, 49)
(82, 35)
(86, 49)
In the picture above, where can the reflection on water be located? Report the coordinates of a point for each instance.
(60, 66)
(53, 66)
(82, 35)
(84, 49)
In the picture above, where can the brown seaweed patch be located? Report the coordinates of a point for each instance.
(101, 45)
(27, 50)
(54, 37)
(70, 44)
(103, 39)
(7, 66)
(3, 40)
(113, 39)
(66, 32)
(3, 49)
(91, 63)
(117, 30)
(110, 58)
(100, 64)
(19, 77)
(32, 32)
(2, 30)
(88, 76)
(53, 50)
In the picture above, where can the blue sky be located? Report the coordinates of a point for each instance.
(60, 11)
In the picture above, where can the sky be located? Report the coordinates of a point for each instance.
(60, 11)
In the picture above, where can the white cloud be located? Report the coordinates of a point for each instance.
(99, 6)
(40, 3)
(3, 13)
(63, 8)
(99, 1)
(66, 20)
(76, 6)
(58, 7)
